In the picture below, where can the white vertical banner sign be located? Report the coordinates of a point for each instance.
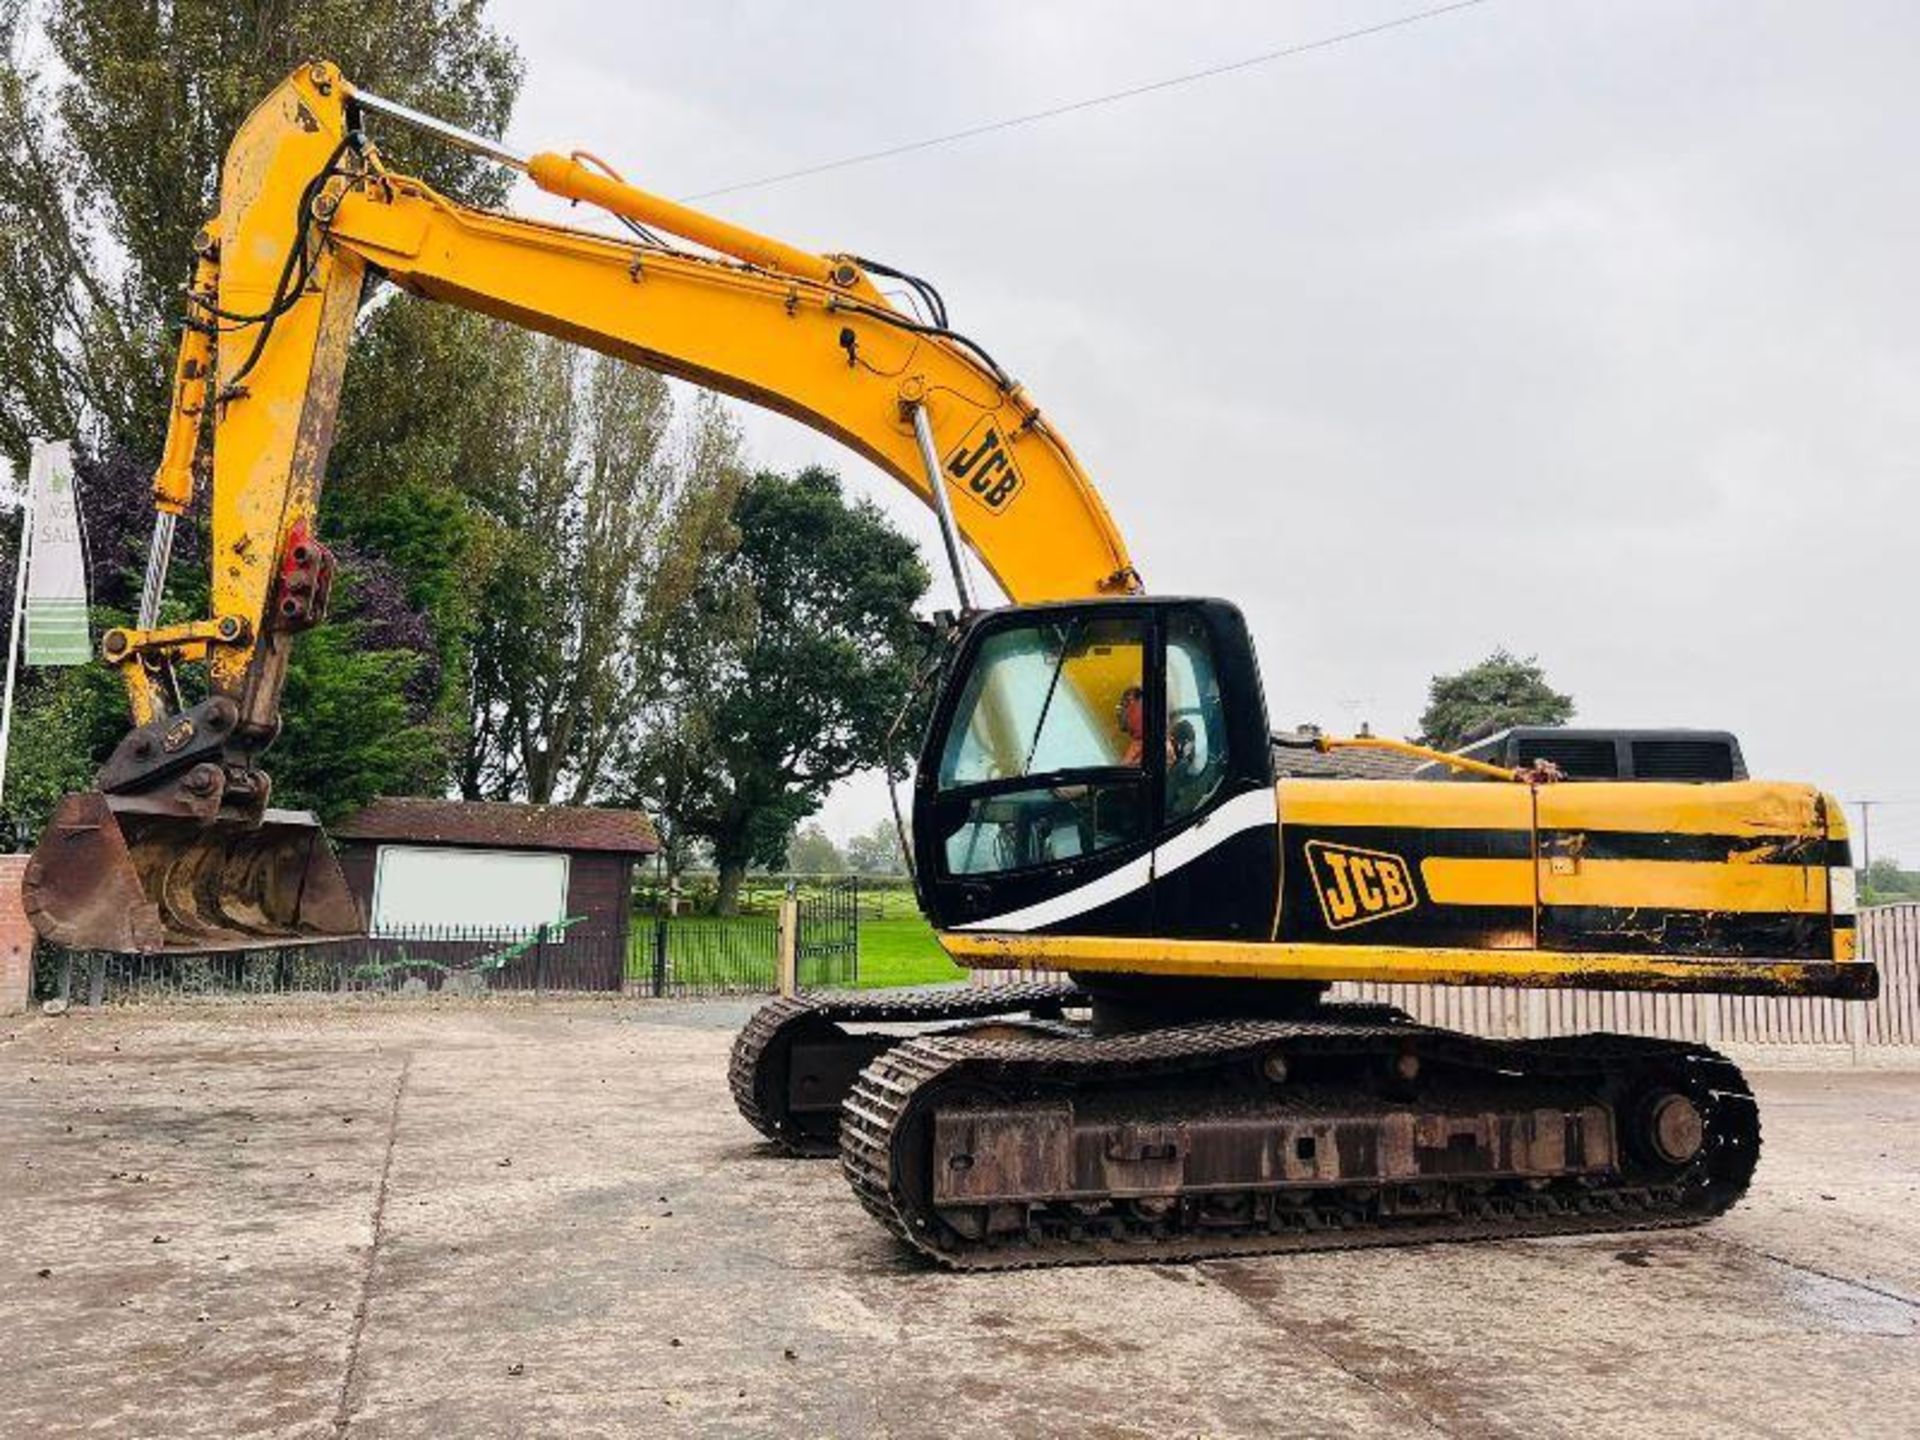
(56, 607)
(13, 625)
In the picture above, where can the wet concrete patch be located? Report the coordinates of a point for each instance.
(1841, 1307)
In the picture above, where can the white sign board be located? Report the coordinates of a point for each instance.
(56, 562)
(419, 887)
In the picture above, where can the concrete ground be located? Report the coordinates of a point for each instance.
(493, 1220)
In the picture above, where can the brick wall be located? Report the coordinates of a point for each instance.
(16, 938)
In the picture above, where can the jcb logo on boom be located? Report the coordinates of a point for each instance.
(1356, 885)
(982, 465)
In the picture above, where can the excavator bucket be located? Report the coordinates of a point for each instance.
(114, 873)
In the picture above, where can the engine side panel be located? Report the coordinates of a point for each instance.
(1737, 869)
(1745, 868)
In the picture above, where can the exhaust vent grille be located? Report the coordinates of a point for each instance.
(1682, 760)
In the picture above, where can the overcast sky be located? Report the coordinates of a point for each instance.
(1586, 327)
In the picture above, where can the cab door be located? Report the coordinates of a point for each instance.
(1034, 803)
(1216, 849)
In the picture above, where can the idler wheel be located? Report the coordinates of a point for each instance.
(1675, 1128)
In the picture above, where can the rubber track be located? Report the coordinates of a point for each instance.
(777, 1020)
(884, 1096)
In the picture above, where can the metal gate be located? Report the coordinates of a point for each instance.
(703, 955)
(827, 942)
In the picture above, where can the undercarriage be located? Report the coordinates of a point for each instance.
(1013, 1135)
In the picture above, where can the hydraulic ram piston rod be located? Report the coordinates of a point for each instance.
(441, 129)
(942, 504)
(159, 555)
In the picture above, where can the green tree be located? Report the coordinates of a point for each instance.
(60, 721)
(420, 454)
(812, 852)
(1885, 883)
(786, 673)
(1502, 690)
(349, 735)
(877, 851)
(606, 511)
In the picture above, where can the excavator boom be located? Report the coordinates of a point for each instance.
(178, 849)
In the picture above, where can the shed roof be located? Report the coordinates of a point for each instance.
(501, 826)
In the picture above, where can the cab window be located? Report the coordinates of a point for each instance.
(1047, 700)
(1021, 829)
(1196, 718)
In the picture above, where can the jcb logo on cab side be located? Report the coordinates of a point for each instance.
(982, 465)
(1356, 886)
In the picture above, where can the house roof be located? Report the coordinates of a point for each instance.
(1310, 764)
(501, 826)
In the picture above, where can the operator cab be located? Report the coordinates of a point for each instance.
(1099, 768)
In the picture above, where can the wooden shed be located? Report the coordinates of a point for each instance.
(420, 866)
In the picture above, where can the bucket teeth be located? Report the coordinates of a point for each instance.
(109, 875)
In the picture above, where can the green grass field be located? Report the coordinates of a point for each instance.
(902, 951)
(896, 947)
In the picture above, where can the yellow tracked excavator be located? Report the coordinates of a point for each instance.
(1098, 791)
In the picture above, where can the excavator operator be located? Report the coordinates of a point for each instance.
(1131, 716)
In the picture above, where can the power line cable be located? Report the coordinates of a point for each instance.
(1071, 107)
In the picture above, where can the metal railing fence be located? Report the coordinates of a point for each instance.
(441, 959)
(700, 955)
(685, 956)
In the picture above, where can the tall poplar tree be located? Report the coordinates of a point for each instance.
(114, 118)
(606, 508)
